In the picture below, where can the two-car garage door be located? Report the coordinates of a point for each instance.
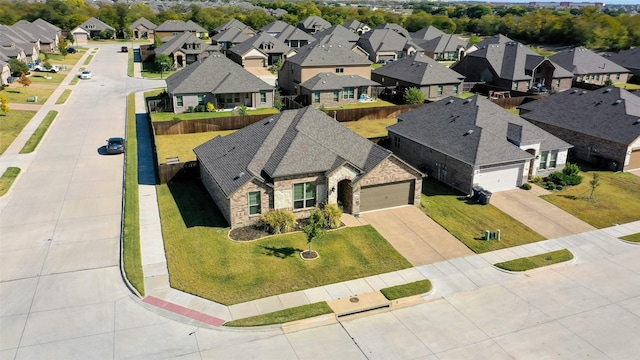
(386, 196)
(500, 178)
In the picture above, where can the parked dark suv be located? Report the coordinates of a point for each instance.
(115, 145)
(124, 49)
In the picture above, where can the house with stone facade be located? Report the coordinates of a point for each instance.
(590, 67)
(420, 71)
(260, 51)
(185, 49)
(300, 159)
(603, 125)
(143, 29)
(219, 81)
(171, 28)
(329, 89)
(472, 142)
(385, 45)
(438, 45)
(290, 35)
(94, 28)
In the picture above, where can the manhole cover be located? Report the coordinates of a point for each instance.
(354, 299)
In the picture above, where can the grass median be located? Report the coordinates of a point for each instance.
(632, 238)
(63, 98)
(406, 290)
(7, 179)
(536, 261)
(37, 135)
(283, 316)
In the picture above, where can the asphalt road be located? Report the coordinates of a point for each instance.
(62, 295)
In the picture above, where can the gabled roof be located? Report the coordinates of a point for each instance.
(215, 74)
(327, 55)
(292, 33)
(314, 23)
(441, 44)
(46, 25)
(234, 35)
(420, 70)
(629, 59)
(427, 33)
(144, 22)
(378, 40)
(492, 40)
(276, 27)
(43, 35)
(294, 142)
(177, 43)
(233, 23)
(180, 26)
(335, 34)
(581, 61)
(609, 113)
(395, 27)
(354, 25)
(474, 131)
(94, 24)
(331, 81)
(261, 43)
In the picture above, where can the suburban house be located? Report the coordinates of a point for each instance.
(171, 28)
(220, 81)
(629, 59)
(185, 49)
(46, 34)
(80, 36)
(395, 27)
(94, 27)
(142, 29)
(260, 51)
(511, 65)
(422, 72)
(384, 45)
(16, 44)
(231, 37)
(357, 26)
(473, 142)
(331, 89)
(290, 35)
(299, 159)
(314, 59)
(336, 34)
(603, 125)
(590, 67)
(234, 23)
(313, 24)
(439, 45)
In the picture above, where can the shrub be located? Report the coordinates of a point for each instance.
(557, 178)
(414, 96)
(333, 214)
(243, 110)
(551, 186)
(571, 169)
(200, 108)
(278, 221)
(526, 186)
(536, 179)
(572, 180)
(189, 109)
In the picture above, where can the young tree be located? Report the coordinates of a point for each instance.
(4, 104)
(414, 96)
(62, 47)
(18, 67)
(163, 62)
(315, 226)
(277, 100)
(595, 182)
(24, 80)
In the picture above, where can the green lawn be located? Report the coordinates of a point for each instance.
(11, 125)
(182, 145)
(536, 261)
(360, 105)
(203, 261)
(406, 290)
(7, 179)
(88, 60)
(74, 80)
(375, 66)
(468, 221)
(628, 86)
(168, 116)
(63, 98)
(617, 199)
(284, 316)
(130, 69)
(39, 77)
(37, 135)
(19, 94)
(632, 237)
(70, 59)
(371, 128)
(465, 95)
(132, 257)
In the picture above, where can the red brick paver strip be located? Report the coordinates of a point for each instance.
(196, 315)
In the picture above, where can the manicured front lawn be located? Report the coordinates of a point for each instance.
(70, 59)
(632, 237)
(284, 316)
(468, 221)
(11, 125)
(168, 116)
(19, 94)
(203, 261)
(534, 262)
(360, 105)
(182, 145)
(371, 128)
(406, 290)
(7, 179)
(465, 95)
(39, 77)
(628, 86)
(37, 135)
(617, 199)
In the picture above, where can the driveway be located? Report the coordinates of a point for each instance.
(416, 236)
(543, 217)
(263, 74)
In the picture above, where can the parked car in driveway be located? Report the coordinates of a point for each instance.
(115, 145)
(53, 68)
(86, 74)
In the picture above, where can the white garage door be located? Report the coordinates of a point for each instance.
(500, 178)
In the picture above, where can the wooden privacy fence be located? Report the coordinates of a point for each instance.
(514, 102)
(372, 113)
(177, 171)
(176, 127)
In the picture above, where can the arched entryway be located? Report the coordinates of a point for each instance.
(532, 163)
(345, 195)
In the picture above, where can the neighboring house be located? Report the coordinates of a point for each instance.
(395, 27)
(8, 52)
(18, 44)
(473, 142)
(384, 45)
(220, 81)
(47, 35)
(234, 23)
(314, 59)
(80, 36)
(171, 28)
(590, 67)
(5, 71)
(95, 28)
(439, 45)
(357, 26)
(422, 72)
(230, 37)
(336, 34)
(313, 24)
(185, 49)
(329, 89)
(260, 51)
(511, 65)
(629, 59)
(603, 125)
(143, 29)
(300, 159)
(290, 35)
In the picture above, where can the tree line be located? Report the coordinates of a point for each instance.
(586, 26)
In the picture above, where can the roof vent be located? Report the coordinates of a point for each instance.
(450, 101)
(269, 120)
(583, 92)
(467, 101)
(617, 102)
(573, 91)
(637, 122)
(607, 90)
(239, 176)
(469, 132)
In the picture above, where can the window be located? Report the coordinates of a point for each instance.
(200, 99)
(254, 202)
(543, 160)
(515, 85)
(558, 83)
(336, 95)
(528, 84)
(179, 101)
(339, 70)
(316, 97)
(236, 97)
(455, 88)
(553, 157)
(396, 142)
(294, 44)
(348, 93)
(439, 90)
(304, 195)
(617, 76)
(263, 97)
(608, 76)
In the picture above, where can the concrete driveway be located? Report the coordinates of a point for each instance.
(543, 217)
(416, 236)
